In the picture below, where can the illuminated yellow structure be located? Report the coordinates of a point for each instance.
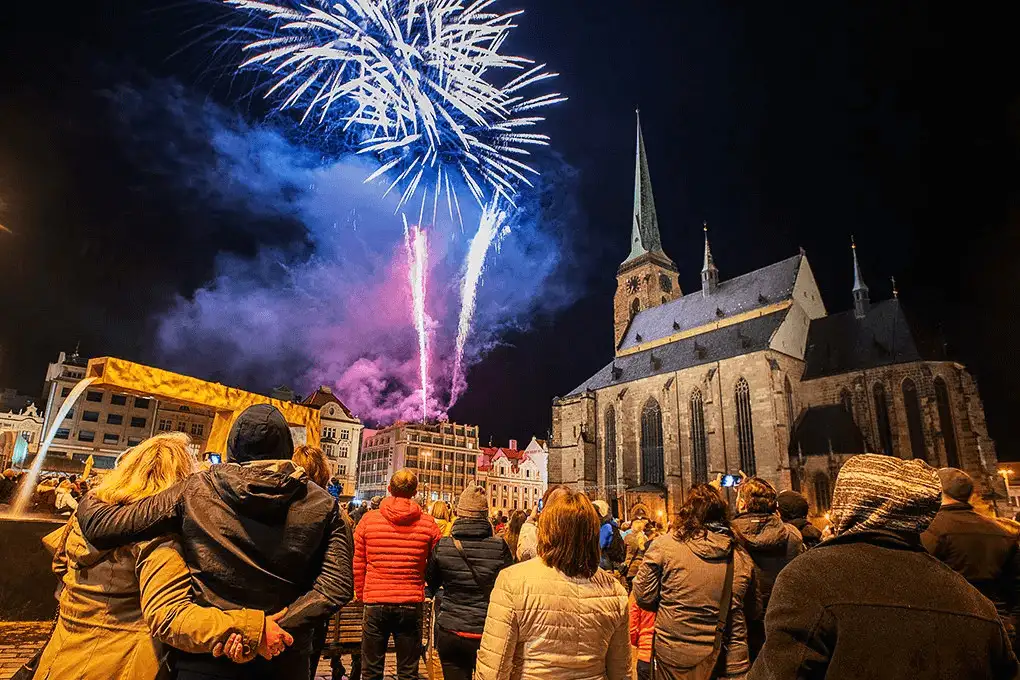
(226, 402)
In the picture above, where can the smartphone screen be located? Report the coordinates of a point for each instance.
(215, 458)
(731, 480)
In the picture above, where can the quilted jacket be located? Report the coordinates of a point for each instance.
(542, 624)
(391, 548)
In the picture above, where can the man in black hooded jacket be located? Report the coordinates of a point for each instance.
(256, 533)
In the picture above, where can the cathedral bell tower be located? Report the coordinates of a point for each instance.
(647, 278)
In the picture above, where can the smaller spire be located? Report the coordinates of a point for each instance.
(862, 298)
(895, 290)
(709, 272)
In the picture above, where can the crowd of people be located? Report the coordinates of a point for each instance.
(233, 571)
(54, 494)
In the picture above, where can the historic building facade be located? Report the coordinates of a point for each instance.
(738, 375)
(515, 478)
(341, 436)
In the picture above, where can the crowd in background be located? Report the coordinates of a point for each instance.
(233, 571)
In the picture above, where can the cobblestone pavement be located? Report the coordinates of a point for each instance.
(19, 642)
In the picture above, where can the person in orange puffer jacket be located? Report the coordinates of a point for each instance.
(642, 633)
(391, 550)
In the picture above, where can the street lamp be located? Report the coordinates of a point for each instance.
(1006, 473)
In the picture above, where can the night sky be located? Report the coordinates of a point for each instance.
(784, 125)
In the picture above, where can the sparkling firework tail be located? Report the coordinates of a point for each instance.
(491, 225)
(417, 83)
(417, 264)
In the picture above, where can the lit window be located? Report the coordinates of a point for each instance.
(86, 436)
(197, 429)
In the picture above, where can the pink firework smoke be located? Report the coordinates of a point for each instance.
(417, 264)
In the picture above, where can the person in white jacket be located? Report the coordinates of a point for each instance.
(527, 541)
(558, 616)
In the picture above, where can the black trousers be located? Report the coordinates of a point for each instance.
(644, 670)
(287, 666)
(403, 622)
(458, 655)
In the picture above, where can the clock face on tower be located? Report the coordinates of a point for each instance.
(633, 284)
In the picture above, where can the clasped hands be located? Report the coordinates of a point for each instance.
(274, 641)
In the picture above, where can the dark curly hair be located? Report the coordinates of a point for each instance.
(704, 506)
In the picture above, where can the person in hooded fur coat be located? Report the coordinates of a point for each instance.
(256, 534)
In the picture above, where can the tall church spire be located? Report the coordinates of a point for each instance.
(644, 235)
(709, 272)
(862, 298)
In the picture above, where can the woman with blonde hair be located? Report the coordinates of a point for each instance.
(314, 462)
(559, 616)
(444, 517)
(117, 608)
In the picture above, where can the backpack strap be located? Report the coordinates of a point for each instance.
(460, 548)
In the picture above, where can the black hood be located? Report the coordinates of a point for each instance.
(761, 531)
(260, 433)
(261, 489)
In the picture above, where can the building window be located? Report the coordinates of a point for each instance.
(946, 423)
(745, 428)
(118, 399)
(344, 450)
(635, 307)
(914, 424)
(823, 492)
(197, 429)
(70, 413)
(110, 438)
(86, 436)
(846, 400)
(94, 396)
(182, 426)
(329, 433)
(137, 422)
(885, 439)
(343, 470)
(345, 434)
(610, 448)
(788, 391)
(651, 444)
(165, 425)
(62, 433)
(142, 402)
(699, 442)
(65, 391)
(134, 441)
(114, 419)
(527, 474)
(90, 416)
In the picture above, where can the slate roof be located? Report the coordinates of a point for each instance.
(840, 343)
(757, 289)
(743, 338)
(819, 426)
(323, 396)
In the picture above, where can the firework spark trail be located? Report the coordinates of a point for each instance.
(490, 227)
(417, 264)
(420, 84)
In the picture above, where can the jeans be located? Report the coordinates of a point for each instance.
(644, 670)
(457, 654)
(403, 622)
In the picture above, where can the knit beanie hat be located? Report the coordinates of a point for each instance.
(376, 502)
(602, 508)
(884, 493)
(472, 502)
(956, 484)
(792, 505)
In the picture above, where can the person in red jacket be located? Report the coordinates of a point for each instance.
(391, 549)
(642, 633)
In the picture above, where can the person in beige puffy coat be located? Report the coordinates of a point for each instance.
(118, 608)
(559, 615)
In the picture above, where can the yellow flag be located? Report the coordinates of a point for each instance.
(89, 462)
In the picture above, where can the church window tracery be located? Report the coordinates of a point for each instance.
(745, 428)
(823, 492)
(610, 447)
(914, 425)
(652, 464)
(946, 422)
(885, 439)
(699, 443)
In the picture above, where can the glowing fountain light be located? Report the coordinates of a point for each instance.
(490, 227)
(28, 484)
(417, 265)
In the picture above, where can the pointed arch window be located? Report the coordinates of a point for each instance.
(946, 423)
(635, 307)
(885, 440)
(610, 450)
(914, 425)
(745, 428)
(823, 492)
(699, 443)
(652, 464)
(788, 390)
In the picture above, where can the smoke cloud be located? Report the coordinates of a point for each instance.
(322, 298)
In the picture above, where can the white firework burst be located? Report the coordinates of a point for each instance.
(421, 84)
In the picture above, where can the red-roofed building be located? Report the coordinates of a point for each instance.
(515, 478)
(341, 436)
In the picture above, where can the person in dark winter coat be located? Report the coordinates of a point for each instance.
(977, 547)
(465, 564)
(257, 534)
(871, 603)
(771, 543)
(793, 510)
(682, 579)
